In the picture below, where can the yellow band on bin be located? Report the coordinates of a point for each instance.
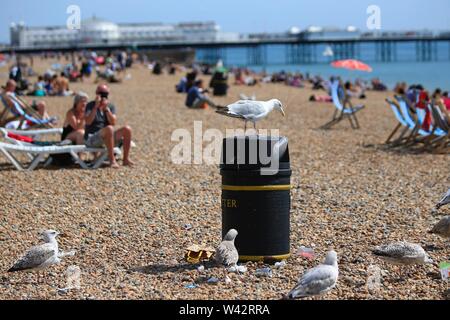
(258, 188)
(264, 258)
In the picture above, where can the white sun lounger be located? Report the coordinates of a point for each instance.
(39, 153)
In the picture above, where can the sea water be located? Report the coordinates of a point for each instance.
(403, 67)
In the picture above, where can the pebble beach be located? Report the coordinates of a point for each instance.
(128, 225)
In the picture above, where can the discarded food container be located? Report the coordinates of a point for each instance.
(256, 184)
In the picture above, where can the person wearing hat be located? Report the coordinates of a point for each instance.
(99, 129)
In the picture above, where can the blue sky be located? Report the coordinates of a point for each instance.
(235, 15)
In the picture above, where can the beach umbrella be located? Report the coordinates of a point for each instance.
(352, 65)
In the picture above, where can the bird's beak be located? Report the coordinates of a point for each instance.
(282, 112)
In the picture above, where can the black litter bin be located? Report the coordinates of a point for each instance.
(255, 199)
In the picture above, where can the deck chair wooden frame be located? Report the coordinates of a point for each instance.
(342, 110)
(442, 142)
(390, 141)
(420, 140)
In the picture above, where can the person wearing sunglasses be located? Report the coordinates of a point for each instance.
(101, 118)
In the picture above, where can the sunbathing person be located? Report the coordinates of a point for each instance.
(197, 97)
(377, 85)
(39, 88)
(99, 130)
(40, 107)
(75, 120)
(353, 91)
(61, 86)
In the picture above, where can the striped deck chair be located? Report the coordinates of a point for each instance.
(418, 135)
(442, 130)
(391, 142)
(343, 110)
(14, 105)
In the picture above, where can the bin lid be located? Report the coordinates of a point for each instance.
(254, 152)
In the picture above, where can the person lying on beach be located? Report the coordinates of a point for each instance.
(109, 75)
(99, 129)
(74, 122)
(318, 98)
(197, 97)
(377, 85)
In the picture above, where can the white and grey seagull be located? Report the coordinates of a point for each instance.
(442, 228)
(226, 252)
(251, 111)
(41, 256)
(445, 201)
(318, 280)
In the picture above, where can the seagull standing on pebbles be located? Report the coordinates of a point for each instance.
(319, 280)
(253, 111)
(445, 201)
(442, 228)
(226, 252)
(41, 256)
(402, 253)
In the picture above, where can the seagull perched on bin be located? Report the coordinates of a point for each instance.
(249, 110)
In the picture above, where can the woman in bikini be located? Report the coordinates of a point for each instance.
(75, 122)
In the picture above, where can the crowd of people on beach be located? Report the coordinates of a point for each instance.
(56, 80)
(93, 124)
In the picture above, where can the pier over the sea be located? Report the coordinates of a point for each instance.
(300, 48)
